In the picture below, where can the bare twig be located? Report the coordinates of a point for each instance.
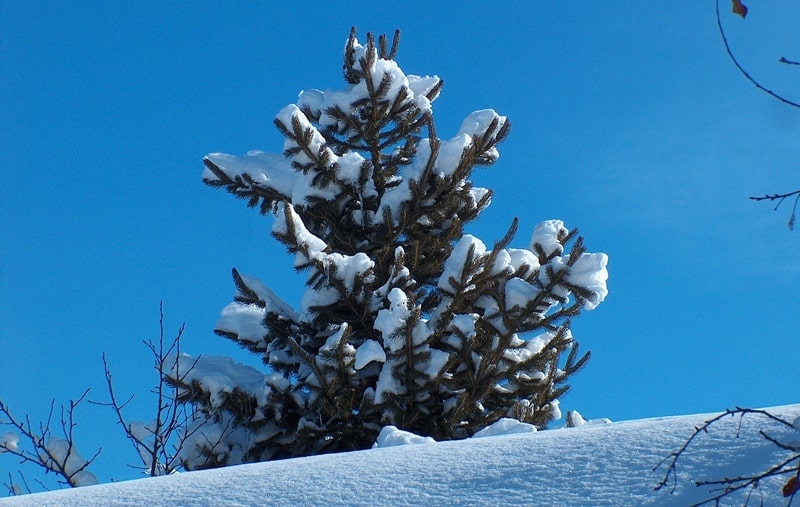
(731, 485)
(744, 72)
(751, 481)
(170, 426)
(13, 488)
(53, 454)
(780, 198)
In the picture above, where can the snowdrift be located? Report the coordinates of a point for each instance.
(596, 464)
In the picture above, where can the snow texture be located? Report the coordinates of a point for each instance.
(347, 269)
(266, 169)
(589, 271)
(272, 303)
(391, 321)
(505, 426)
(576, 420)
(244, 321)
(599, 465)
(391, 436)
(454, 265)
(546, 235)
(218, 375)
(368, 352)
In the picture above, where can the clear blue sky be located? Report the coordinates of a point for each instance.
(629, 122)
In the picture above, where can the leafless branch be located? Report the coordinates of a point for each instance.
(744, 72)
(170, 426)
(13, 488)
(731, 485)
(47, 451)
(780, 198)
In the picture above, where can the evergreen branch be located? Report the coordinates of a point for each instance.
(395, 44)
(244, 187)
(249, 296)
(351, 75)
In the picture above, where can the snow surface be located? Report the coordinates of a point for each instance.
(391, 436)
(603, 464)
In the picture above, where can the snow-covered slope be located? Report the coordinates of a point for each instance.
(604, 464)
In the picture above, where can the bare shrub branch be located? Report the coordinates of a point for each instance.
(54, 454)
(780, 198)
(750, 483)
(747, 74)
(157, 443)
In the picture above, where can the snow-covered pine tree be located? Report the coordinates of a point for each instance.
(406, 320)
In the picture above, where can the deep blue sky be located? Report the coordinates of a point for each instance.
(629, 122)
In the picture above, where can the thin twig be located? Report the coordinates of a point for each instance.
(732, 485)
(42, 454)
(780, 198)
(744, 72)
(171, 421)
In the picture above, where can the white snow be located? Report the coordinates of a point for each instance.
(590, 271)
(387, 383)
(292, 114)
(266, 169)
(454, 265)
(324, 296)
(271, 301)
(520, 257)
(505, 426)
(345, 268)
(477, 123)
(434, 366)
(599, 465)
(332, 345)
(391, 436)
(575, 419)
(450, 153)
(244, 321)
(368, 352)
(546, 235)
(519, 293)
(391, 320)
(218, 375)
(532, 346)
(465, 323)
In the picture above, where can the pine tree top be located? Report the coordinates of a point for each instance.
(406, 320)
